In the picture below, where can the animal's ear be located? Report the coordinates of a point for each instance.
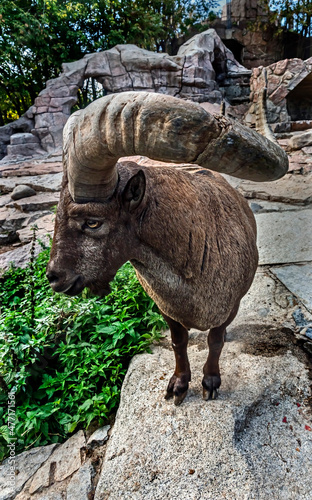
(134, 191)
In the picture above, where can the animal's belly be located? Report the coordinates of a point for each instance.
(192, 304)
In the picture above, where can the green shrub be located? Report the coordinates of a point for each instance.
(66, 357)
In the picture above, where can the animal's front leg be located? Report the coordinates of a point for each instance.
(178, 384)
(212, 380)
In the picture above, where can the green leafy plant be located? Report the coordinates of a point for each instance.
(66, 357)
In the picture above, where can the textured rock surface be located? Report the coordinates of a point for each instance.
(191, 74)
(20, 256)
(39, 201)
(56, 472)
(47, 182)
(80, 486)
(289, 189)
(44, 226)
(284, 103)
(301, 140)
(99, 436)
(298, 280)
(63, 462)
(284, 237)
(26, 465)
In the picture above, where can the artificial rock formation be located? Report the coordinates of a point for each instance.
(202, 65)
(289, 95)
(245, 29)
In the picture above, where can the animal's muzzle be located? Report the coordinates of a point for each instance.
(62, 283)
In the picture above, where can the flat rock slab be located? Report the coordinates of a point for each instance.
(66, 459)
(5, 199)
(26, 465)
(298, 279)
(284, 237)
(31, 168)
(263, 206)
(48, 182)
(237, 447)
(290, 189)
(19, 256)
(44, 225)
(40, 201)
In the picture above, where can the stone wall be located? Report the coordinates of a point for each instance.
(245, 30)
(197, 72)
(281, 79)
(245, 9)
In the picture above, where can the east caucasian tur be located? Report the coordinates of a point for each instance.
(190, 236)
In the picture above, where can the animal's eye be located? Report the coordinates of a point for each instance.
(93, 224)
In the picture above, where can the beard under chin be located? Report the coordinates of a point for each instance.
(100, 289)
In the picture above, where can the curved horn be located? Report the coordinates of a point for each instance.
(163, 128)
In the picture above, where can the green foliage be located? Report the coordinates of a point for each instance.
(37, 36)
(292, 15)
(67, 363)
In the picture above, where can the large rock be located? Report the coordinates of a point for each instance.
(23, 138)
(250, 443)
(24, 123)
(285, 102)
(19, 257)
(298, 279)
(44, 228)
(192, 74)
(80, 486)
(64, 461)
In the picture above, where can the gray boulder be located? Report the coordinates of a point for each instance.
(22, 191)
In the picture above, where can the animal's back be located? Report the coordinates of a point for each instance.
(199, 253)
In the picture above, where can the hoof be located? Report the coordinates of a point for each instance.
(179, 399)
(211, 384)
(210, 394)
(177, 389)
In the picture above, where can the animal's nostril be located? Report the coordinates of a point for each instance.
(52, 277)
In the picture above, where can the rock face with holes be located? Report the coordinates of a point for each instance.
(192, 74)
(289, 97)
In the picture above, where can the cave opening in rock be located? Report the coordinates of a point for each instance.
(91, 90)
(299, 100)
(235, 47)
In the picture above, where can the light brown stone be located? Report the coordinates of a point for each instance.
(280, 67)
(301, 140)
(32, 168)
(290, 189)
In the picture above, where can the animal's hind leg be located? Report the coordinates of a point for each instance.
(212, 380)
(178, 384)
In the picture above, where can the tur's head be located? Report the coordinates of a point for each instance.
(92, 240)
(95, 230)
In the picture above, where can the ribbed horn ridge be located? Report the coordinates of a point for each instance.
(163, 128)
